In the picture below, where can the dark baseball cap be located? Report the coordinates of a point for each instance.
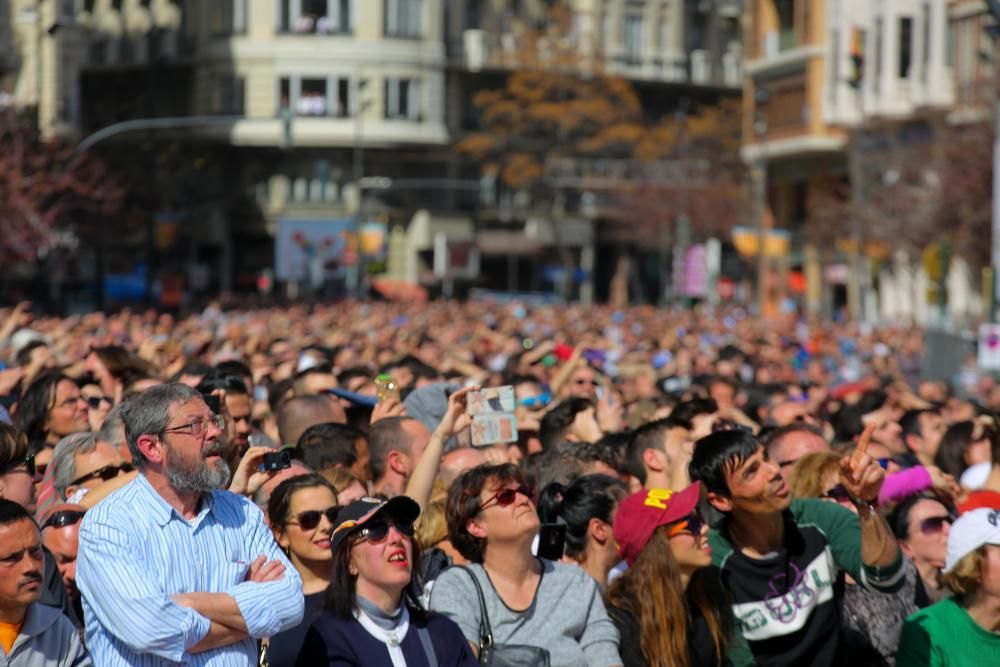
(359, 512)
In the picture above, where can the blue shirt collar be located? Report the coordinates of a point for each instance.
(162, 512)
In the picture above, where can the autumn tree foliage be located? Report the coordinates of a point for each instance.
(44, 186)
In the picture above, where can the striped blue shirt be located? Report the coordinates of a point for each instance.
(136, 551)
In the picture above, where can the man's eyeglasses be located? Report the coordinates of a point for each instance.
(933, 525)
(28, 462)
(63, 518)
(198, 426)
(106, 473)
(309, 519)
(95, 401)
(505, 497)
(693, 524)
(377, 531)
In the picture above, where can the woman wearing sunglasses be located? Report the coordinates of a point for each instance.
(669, 609)
(373, 617)
(303, 511)
(534, 607)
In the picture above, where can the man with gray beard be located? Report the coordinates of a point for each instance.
(171, 568)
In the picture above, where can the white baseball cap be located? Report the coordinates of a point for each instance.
(971, 531)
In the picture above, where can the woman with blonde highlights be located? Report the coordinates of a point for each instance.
(670, 610)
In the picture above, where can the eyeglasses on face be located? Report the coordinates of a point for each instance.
(838, 493)
(309, 519)
(106, 473)
(539, 401)
(691, 524)
(505, 497)
(377, 531)
(583, 381)
(63, 518)
(933, 525)
(198, 426)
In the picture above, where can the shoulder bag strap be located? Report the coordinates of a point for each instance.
(485, 631)
(425, 641)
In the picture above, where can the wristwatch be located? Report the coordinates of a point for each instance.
(865, 506)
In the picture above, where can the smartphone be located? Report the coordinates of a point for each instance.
(386, 387)
(213, 403)
(551, 541)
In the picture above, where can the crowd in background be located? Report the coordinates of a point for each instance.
(719, 489)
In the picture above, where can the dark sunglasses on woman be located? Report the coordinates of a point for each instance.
(95, 401)
(692, 523)
(309, 519)
(933, 525)
(105, 474)
(505, 497)
(378, 530)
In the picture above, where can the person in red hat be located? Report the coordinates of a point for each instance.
(666, 608)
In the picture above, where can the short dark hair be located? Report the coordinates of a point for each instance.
(323, 446)
(649, 436)
(195, 367)
(24, 354)
(386, 435)
(280, 502)
(234, 367)
(558, 420)
(219, 379)
(691, 408)
(11, 512)
(349, 374)
(718, 453)
(464, 503)
(910, 422)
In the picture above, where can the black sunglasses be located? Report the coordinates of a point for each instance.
(505, 497)
(376, 531)
(28, 462)
(95, 401)
(106, 473)
(309, 519)
(837, 493)
(692, 523)
(63, 518)
(935, 524)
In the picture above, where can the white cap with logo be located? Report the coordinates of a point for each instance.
(971, 531)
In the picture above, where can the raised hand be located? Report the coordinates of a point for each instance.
(860, 474)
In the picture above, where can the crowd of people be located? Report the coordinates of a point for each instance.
(299, 486)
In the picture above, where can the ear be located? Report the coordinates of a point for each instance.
(475, 529)
(911, 445)
(281, 537)
(152, 448)
(651, 459)
(905, 548)
(598, 530)
(352, 568)
(722, 503)
(70, 490)
(398, 462)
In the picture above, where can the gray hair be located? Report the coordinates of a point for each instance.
(64, 459)
(148, 412)
(112, 429)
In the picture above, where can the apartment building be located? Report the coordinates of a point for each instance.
(281, 105)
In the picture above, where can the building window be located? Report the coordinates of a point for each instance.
(664, 31)
(877, 75)
(315, 95)
(315, 17)
(834, 64)
(227, 95)
(402, 99)
(633, 38)
(905, 46)
(786, 23)
(403, 18)
(228, 17)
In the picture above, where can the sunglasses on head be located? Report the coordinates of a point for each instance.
(378, 530)
(933, 525)
(63, 518)
(505, 497)
(309, 519)
(693, 524)
(105, 474)
(28, 462)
